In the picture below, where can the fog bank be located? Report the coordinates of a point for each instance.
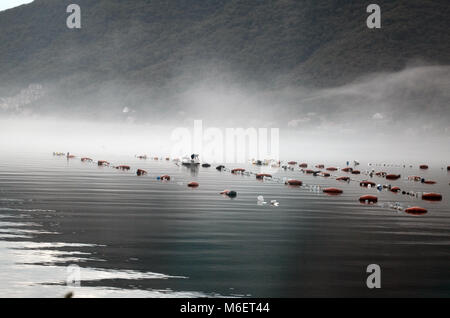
(386, 116)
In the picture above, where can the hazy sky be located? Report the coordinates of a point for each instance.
(8, 4)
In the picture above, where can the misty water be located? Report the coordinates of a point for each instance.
(137, 236)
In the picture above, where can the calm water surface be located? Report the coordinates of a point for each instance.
(137, 236)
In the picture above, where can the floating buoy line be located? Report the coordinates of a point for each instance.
(365, 199)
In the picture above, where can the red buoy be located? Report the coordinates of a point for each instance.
(423, 167)
(356, 171)
(193, 184)
(309, 171)
(320, 166)
(331, 168)
(237, 170)
(303, 165)
(429, 182)
(293, 182)
(343, 178)
(366, 183)
(416, 210)
(395, 189)
(86, 159)
(432, 196)
(103, 163)
(393, 176)
(123, 167)
(348, 169)
(292, 162)
(332, 191)
(325, 174)
(448, 168)
(262, 175)
(368, 199)
(141, 172)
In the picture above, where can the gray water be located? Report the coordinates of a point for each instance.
(139, 237)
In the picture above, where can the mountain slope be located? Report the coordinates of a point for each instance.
(152, 45)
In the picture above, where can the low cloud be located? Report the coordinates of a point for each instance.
(400, 110)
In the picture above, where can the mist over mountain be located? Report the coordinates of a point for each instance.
(311, 67)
